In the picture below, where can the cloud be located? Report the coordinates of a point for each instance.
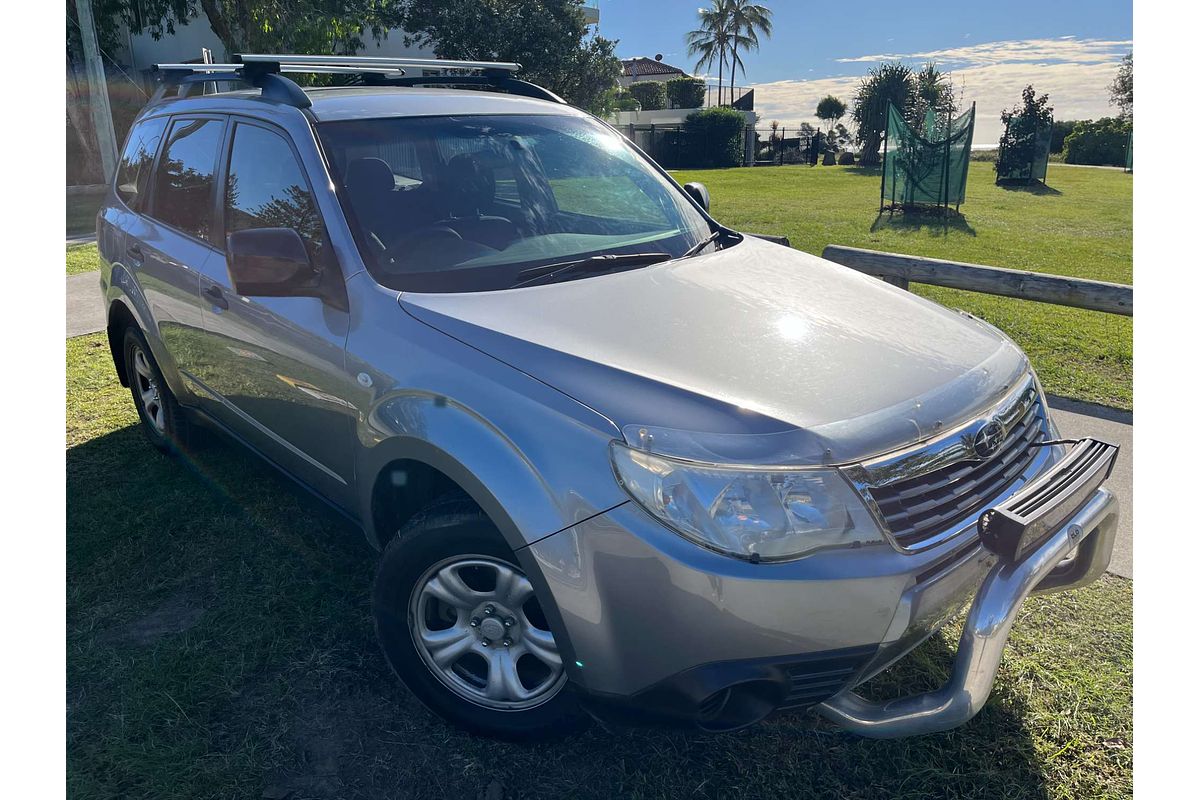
(1065, 49)
(1073, 72)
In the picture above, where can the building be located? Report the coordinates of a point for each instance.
(640, 68)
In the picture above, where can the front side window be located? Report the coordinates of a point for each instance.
(183, 194)
(266, 188)
(133, 174)
(461, 204)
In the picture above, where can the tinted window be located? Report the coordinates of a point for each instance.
(498, 195)
(133, 176)
(183, 197)
(266, 188)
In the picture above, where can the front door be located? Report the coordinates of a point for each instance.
(274, 367)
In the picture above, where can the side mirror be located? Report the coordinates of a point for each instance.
(698, 192)
(269, 262)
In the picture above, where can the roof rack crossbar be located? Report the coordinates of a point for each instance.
(367, 62)
(264, 71)
(503, 82)
(264, 76)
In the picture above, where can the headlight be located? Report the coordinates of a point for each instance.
(760, 514)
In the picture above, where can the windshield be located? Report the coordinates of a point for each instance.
(465, 204)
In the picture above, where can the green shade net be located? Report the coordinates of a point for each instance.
(1036, 169)
(1129, 152)
(929, 166)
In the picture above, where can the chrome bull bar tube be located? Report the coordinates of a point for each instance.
(1088, 534)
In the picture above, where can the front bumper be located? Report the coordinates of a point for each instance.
(1075, 555)
(653, 623)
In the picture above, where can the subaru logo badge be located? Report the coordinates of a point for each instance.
(988, 440)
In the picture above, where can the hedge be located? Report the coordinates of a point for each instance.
(651, 94)
(685, 92)
(714, 137)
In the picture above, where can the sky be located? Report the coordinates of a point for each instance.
(1069, 50)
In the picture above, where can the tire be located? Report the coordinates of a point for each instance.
(163, 420)
(417, 599)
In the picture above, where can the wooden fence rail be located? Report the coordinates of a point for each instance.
(899, 270)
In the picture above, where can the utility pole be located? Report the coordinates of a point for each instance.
(106, 137)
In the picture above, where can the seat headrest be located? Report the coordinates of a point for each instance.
(471, 185)
(369, 176)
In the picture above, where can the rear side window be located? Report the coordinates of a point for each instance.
(133, 176)
(183, 195)
(266, 188)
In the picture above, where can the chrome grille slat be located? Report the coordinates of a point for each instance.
(920, 508)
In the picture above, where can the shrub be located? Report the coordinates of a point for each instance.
(685, 92)
(714, 137)
(1100, 141)
(651, 94)
(846, 158)
(624, 101)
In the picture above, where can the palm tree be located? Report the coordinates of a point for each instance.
(932, 89)
(711, 41)
(890, 82)
(746, 20)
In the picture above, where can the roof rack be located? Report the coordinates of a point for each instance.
(264, 71)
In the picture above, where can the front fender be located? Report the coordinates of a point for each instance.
(532, 481)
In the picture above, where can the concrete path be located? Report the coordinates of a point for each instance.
(83, 238)
(85, 314)
(85, 307)
(1077, 419)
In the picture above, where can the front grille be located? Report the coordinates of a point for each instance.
(919, 508)
(823, 675)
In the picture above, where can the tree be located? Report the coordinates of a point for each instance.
(1101, 141)
(710, 42)
(269, 26)
(934, 89)
(889, 82)
(547, 37)
(1120, 91)
(1024, 128)
(830, 110)
(1061, 130)
(746, 20)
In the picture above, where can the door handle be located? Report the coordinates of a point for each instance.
(135, 255)
(216, 296)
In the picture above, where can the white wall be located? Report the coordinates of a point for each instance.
(141, 51)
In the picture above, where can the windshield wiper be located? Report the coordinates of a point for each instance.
(700, 245)
(601, 263)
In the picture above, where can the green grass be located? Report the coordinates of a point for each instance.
(1082, 226)
(219, 645)
(82, 258)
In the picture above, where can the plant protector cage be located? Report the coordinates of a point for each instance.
(927, 167)
(1034, 170)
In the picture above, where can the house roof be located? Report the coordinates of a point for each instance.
(648, 66)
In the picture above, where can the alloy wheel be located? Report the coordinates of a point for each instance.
(478, 627)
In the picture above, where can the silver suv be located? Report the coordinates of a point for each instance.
(616, 457)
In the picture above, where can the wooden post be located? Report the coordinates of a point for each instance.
(1111, 298)
(106, 137)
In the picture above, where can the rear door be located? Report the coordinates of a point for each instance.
(274, 367)
(171, 241)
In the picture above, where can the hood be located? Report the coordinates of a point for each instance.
(753, 352)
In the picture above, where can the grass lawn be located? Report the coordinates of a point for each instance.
(219, 645)
(1082, 226)
(82, 258)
